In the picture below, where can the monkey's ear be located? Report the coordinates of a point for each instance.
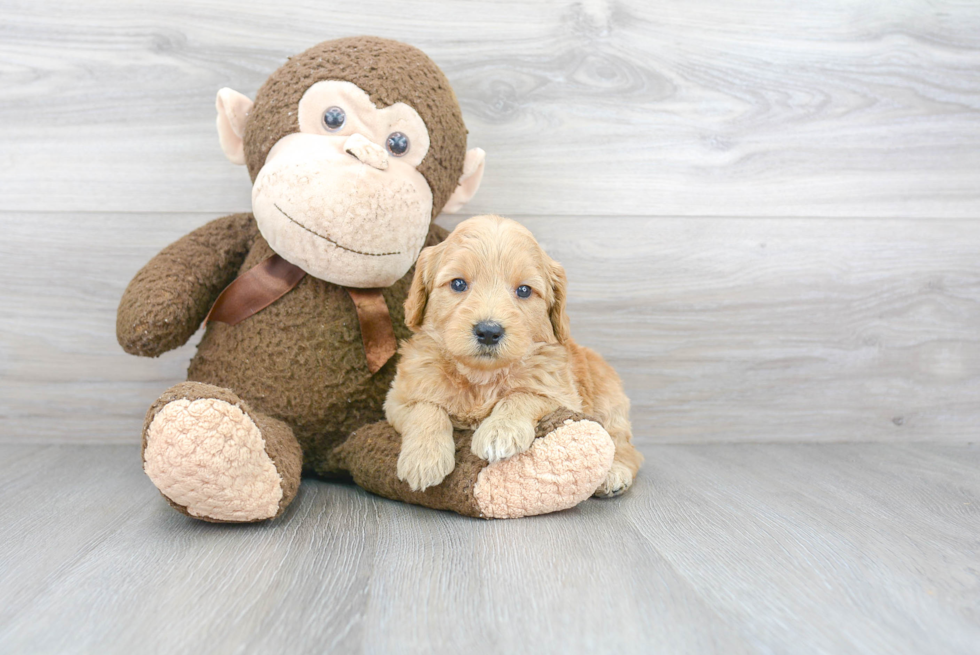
(233, 109)
(469, 181)
(557, 313)
(418, 294)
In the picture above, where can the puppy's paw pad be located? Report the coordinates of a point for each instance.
(500, 438)
(423, 465)
(617, 481)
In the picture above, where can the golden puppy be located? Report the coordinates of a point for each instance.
(492, 352)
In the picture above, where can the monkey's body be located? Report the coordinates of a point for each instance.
(284, 360)
(289, 389)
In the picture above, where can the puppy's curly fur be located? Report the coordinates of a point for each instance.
(502, 379)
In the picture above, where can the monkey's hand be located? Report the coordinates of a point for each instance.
(168, 298)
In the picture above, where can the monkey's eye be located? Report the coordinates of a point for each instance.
(333, 118)
(523, 291)
(458, 285)
(397, 144)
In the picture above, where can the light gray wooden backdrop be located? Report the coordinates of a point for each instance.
(768, 210)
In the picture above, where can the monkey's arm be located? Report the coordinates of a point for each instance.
(168, 298)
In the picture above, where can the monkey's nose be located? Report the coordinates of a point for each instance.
(488, 333)
(367, 152)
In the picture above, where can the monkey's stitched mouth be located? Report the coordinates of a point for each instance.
(326, 238)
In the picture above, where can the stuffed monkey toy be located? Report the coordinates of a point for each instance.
(353, 147)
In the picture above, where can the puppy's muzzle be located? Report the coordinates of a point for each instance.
(488, 333)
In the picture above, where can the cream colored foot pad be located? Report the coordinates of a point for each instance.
(207, 455)
(557, 472)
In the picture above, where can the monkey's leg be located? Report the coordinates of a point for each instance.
(214, 458)
(568, 459)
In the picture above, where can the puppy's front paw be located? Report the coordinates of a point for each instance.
(425, 462)
(500, 438)
(617, 481)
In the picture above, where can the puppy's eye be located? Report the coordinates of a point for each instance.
(397, 144)
(458, 285)
(334, 118)
(523, 291)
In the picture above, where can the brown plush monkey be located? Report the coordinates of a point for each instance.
(353, 147)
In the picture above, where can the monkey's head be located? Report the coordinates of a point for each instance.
(353, 146)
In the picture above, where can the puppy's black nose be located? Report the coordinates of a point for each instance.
(488, 333)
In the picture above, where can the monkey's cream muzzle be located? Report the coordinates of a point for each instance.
(341, 210)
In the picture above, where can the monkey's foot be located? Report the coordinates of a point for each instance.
(214, 459)
(569, 458)
(563, 467)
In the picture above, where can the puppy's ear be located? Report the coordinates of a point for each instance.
(418, 294)
(557, 313)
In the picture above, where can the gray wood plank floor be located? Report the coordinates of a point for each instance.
(822, 548)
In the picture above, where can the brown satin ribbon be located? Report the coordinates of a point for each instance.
(377, 333)
(273, 278)
(254, 290)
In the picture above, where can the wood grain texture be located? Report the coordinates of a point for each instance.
(794, 549)
(679, 108)
(768, 215)
(722, 329)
